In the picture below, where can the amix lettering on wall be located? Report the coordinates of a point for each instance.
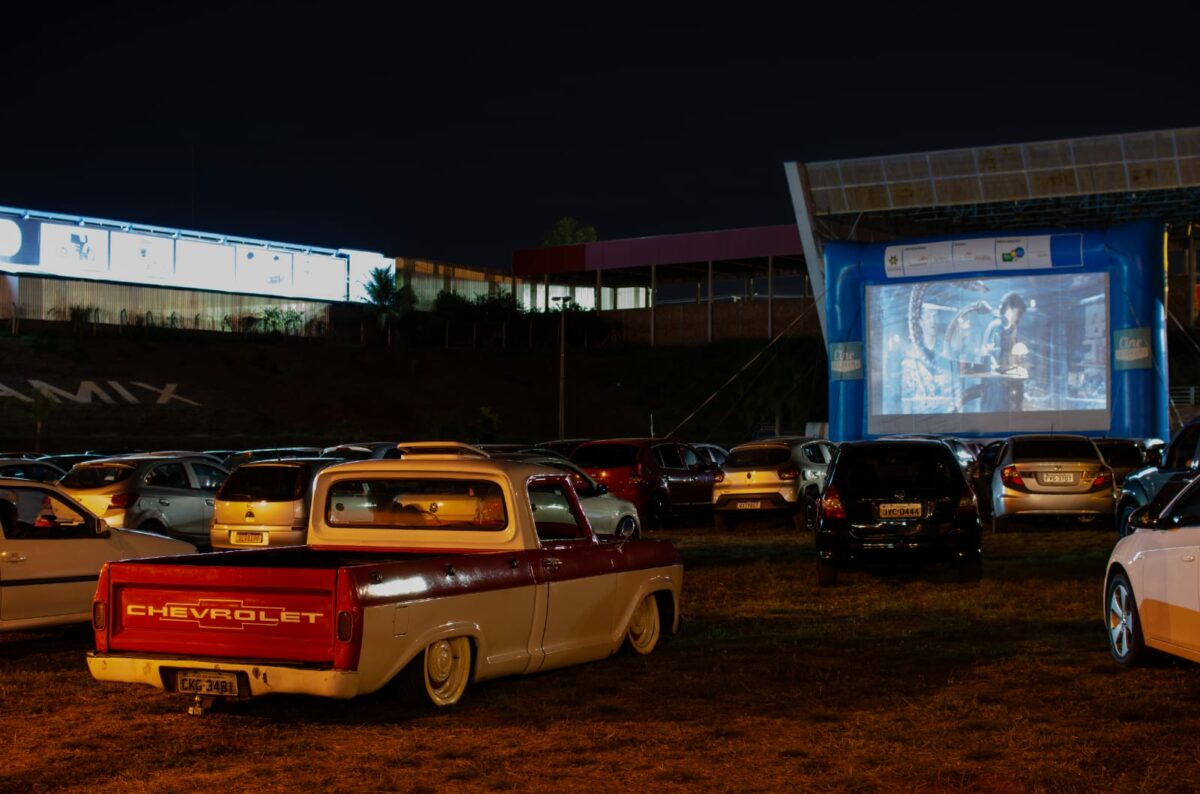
(89, 389)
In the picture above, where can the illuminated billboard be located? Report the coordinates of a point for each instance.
(986, 336)
(109, 251)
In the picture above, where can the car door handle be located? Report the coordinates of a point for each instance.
(208, 502)
(551, 563)
(1189, 558)
(165, 502)
(12, 556)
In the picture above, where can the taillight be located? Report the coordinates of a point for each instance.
(1103, 479)
(831, 504)
(635, 475)
(100, 610)
(45, 517)
(121, 501)
(345, 626)
(719, 477)
(789, 473)
(1011, 478)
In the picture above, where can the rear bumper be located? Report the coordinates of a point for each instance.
(158, 671)
(221, 536)
(1017, 503)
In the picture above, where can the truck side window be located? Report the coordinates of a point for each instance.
(553, 514)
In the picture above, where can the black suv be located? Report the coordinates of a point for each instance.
(1179, 462)
(897, 499)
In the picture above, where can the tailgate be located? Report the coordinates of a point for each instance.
(269, 613)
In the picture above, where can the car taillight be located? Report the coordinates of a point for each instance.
(122, 501)
(719, 477)
(789, 473)
(99, 617)
(831, 504)
(635, 475)
(1011, 478)
(1103, 479)
(45, 517)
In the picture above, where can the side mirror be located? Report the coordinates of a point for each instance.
(1143, 518)
(601, 489)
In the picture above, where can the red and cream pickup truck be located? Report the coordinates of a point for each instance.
(440, 569)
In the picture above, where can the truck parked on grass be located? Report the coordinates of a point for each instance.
(438, 569)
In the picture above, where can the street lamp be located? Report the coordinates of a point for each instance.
(562, 300)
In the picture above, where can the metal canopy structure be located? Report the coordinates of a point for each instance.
(1096, 180)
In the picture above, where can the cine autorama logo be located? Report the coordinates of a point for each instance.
(228, 614)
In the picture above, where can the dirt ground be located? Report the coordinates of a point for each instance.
(898, 680)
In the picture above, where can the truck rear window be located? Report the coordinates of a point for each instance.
(265, 484)
(95, 476)
(417, 503)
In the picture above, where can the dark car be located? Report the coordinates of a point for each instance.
(899, 500)
(662, 478)
(1123, 455)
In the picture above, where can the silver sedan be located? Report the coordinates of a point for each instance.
(1046, 477)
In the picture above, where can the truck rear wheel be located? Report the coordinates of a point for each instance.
(440, 673)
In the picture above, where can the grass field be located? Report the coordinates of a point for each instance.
(893, 680)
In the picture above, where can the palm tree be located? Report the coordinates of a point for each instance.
(388, 302)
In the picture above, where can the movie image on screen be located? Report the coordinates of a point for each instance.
(1018, 353)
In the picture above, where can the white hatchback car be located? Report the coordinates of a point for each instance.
(51, 552)
(1152, 588)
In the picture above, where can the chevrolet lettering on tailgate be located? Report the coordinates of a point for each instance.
(440, 570)
(221, 614)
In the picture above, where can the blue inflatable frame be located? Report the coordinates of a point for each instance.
(922, 334)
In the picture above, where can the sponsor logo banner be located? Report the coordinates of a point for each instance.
(846, 361)
(1131, 349)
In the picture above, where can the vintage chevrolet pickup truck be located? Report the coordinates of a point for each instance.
(442, 570)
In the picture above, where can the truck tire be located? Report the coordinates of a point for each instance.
(645, 627)
(439, 674)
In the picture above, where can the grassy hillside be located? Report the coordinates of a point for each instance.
(264, 389)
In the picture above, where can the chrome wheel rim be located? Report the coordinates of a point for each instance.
(1120, 619)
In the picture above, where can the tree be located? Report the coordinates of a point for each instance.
(568, 231)
(389, 303)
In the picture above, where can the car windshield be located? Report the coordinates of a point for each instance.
(1029, 449)
(96, 476)
(757, 457)
(1121, 453)
(900, 466)
(264, 484)
(605, 456)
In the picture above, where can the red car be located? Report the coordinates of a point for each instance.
(662, 478)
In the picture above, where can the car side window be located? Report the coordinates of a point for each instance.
(1182, 448)
(814, 454)
(44, 518)
(689, 457)
(208, 478)
(167, 475)
(668, 456)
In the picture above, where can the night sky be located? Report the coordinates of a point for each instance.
(461, 137)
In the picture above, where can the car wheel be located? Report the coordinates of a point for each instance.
(1123, 518)
(1124, 625)
(644, 627)
(627, 528)
(440, 673)
(826, 572)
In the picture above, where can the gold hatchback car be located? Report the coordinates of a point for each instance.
(265, 503)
